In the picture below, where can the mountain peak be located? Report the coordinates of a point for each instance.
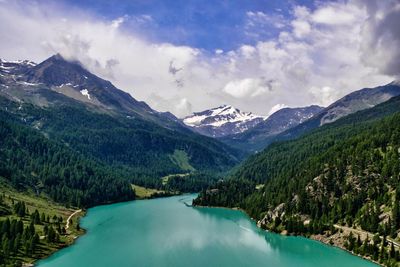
(221, 121)
(57, 71)
(58, 59)
(57, 56)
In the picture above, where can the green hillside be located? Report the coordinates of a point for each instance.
(345, 173)
(131, 145)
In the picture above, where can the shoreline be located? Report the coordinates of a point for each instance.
(315, 238)
(84, 230)
(323, 239)
(68, 243)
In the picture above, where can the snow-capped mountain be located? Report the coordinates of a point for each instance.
(259, 136)
(222, 121)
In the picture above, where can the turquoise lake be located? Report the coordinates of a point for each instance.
(166, 232)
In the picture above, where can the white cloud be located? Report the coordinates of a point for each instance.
(259, 18)
(248, 87)
(117, 22)
(381, 36)
(247, 51)
(324, 95)
(335, 14)
(318, 57)
(301, 28)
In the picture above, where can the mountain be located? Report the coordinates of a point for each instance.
(222, 121)
(351, 103)
(44, 84)
(68, 104)
(342, 175)
(258, 137)
(30, 161)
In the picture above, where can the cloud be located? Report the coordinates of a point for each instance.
(248, 87)
(172, 69)
(381, 36)
(247, 51)
(259, 18)
(335, 14)
(316, 56)
(325, 95)
(301, 28)
(178, 106)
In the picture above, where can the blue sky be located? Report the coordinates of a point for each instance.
(205, 24)
(271, 53)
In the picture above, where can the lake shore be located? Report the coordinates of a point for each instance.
(105, 221)
(337, 239)
(71, 236)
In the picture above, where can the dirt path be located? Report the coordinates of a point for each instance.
(365, 233)
(70, 217)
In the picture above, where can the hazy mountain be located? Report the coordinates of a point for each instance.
(351, 103)
(259, 136)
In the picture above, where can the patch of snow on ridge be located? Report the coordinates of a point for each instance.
(85, 92)
(30, 84)
(194, 120)
(219, 116)
(23, 62)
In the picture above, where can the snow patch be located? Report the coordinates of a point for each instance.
(68, 84)
(194, 120)
(29, 84)
(19, 62)
(219, 116)
(85, 92)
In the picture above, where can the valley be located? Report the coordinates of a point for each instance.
(72, 141)
(199, 133)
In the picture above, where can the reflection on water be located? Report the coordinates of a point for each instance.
(168, 232)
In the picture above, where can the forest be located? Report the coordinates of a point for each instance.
(345, 173)
(29, 160)
(27, 234)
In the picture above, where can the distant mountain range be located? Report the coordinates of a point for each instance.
(341, 173)
(253, 133)
(349, 104)
(67, 102)
(222, 121)
(258, 137)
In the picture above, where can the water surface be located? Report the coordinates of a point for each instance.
(165, 232)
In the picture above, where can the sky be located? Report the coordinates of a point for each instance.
(185, 56)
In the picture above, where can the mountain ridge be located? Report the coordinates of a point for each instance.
(66, 102)
(221, 121)
(259, 136)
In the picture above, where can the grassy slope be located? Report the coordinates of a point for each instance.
(43, 204)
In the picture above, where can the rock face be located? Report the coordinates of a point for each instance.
(222, 121)
(351, 103)
(272, 215)
(359, 100)
(259, 136)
